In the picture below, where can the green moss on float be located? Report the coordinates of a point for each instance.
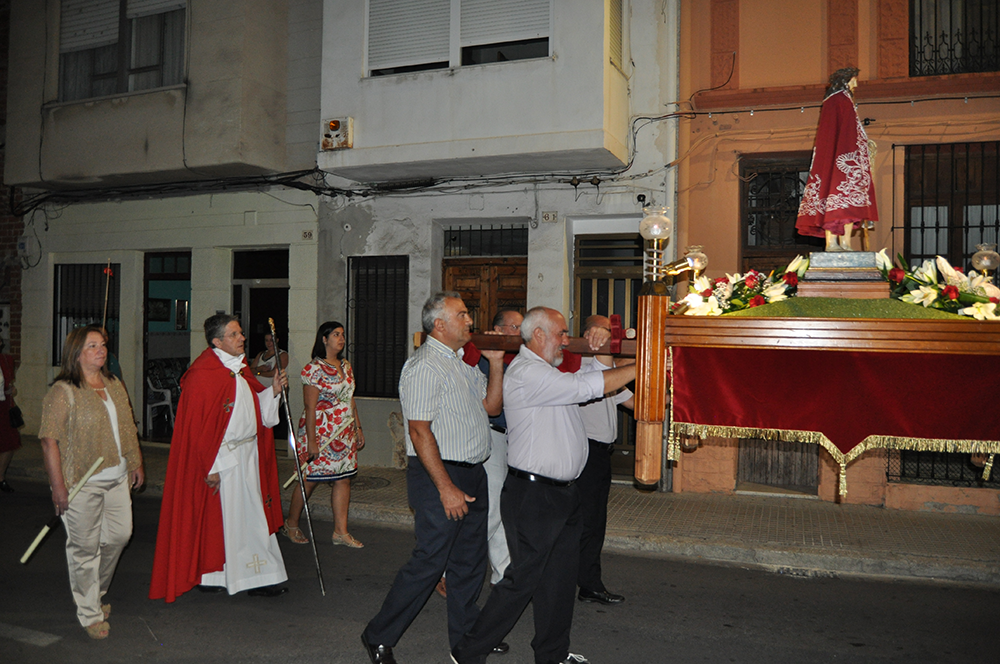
(832, 307)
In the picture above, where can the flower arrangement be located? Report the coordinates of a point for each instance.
(936, 284)
(735, 292)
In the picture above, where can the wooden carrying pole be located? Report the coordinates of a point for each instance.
(651, 382)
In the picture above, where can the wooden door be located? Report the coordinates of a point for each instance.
(488, 285)
(793, 466)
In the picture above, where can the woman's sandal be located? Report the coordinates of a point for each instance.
(347, 540)
(294, 533)
(98, 630)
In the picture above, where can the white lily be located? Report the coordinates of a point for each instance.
(926, 272)
(702, 284)
(975, 281)
(951, 276)
(699, 306)
(724, 290)
(882, 261)
(775, 292)
(990, 289)
(734, 278)
(799, 265)
(924, 295)
(981, 311)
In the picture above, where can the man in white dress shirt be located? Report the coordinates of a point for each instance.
(546, 451)
(600, 419)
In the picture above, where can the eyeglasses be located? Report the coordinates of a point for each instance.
(513, 326)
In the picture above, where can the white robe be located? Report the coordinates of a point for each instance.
(253, 559)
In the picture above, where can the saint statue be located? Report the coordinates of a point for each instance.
(839, 193)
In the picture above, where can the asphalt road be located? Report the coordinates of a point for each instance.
(676, 611)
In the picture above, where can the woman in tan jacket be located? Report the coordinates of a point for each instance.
(87, 414)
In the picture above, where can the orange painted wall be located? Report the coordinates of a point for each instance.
(769, 61)
(741, 117)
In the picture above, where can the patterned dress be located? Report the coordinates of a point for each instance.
(336, 431)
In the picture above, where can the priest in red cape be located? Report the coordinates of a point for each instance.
(221, 500)
(839, 192)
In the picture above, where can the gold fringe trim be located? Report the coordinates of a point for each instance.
(818, 438)
(673, 445)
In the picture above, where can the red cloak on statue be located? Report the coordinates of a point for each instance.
(840, 189)
(190, 541)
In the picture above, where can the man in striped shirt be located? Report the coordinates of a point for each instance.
(445, 404)
(546, 452)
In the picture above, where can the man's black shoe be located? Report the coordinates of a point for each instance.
(378, 654)
(267, 591)
(501, 648)
(210, 589)
(601, 596)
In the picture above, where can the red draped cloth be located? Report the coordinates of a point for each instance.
(856, 400)
(840, 189)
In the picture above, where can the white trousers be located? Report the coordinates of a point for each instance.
(98, 526)
(496, 474)
(253, 558)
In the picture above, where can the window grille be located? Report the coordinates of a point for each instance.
(379, 288)
(954, 36)
(417, 35)
(952, 199)
(771, 189)
(492, 240)
(79, 301)
(937, 468)
(111, 47)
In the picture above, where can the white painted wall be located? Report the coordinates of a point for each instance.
(211, 227)
(541, 106)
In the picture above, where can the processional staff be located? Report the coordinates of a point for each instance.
(298, 469)
(54, 521)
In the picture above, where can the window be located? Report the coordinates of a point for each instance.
(952, 200)
(771, 189)
(937, 468)
(954, 36)
(85, 295)
(417, 35)
(616, 21)
(492, 240)
(379, 288)
(110, 47)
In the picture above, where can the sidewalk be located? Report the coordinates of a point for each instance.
(784, 535)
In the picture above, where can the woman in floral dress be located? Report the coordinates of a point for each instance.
(329, 434)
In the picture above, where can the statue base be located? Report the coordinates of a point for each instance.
(842, 266)
(846, 274)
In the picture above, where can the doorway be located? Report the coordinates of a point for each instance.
(260, 292)
(166, 339)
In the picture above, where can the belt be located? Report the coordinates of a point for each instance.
(498, 428)
(460, 464)
(233, 444)
(603, 446)
(541, 479)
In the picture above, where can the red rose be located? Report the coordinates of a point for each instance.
(960, 270)
(756, 301)
(751, 280)
(721, 280)
(995, 300)
(950, 292)
(706, 293)
(791, 279)
(896, 275)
